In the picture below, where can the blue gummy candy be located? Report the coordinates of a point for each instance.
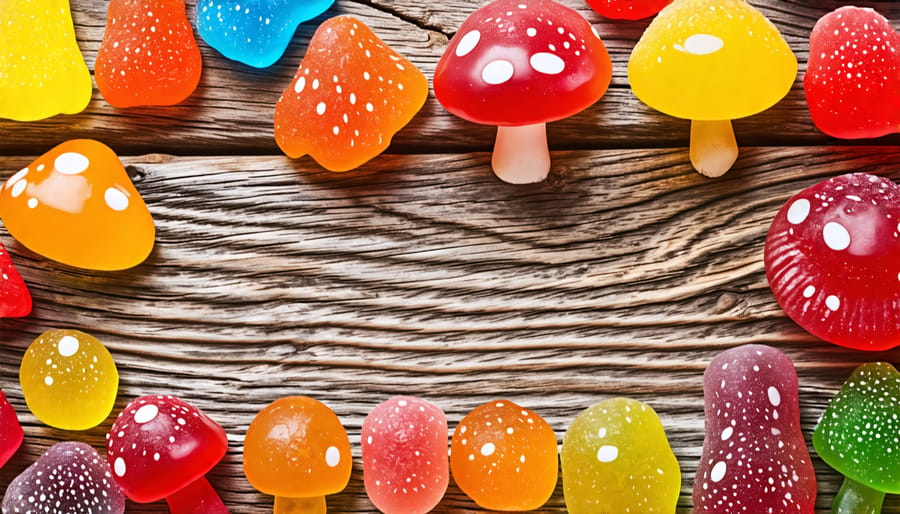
(254, 32)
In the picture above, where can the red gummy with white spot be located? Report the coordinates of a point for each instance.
(11, 433)
(628, 9)
(754, 460)
(161, 447)
(404, 452)
(833, 261)
(15, 299)
(852, 80)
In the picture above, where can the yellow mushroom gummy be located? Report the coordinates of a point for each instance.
(711, 61)
(616, 458)
(69, 379)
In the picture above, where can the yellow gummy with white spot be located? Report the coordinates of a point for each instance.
(69, 379)
(42, 71)
(711, 60)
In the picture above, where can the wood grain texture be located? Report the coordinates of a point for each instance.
(624, 273)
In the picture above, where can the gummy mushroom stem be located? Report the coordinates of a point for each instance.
(198, 497)
(713, 147)
(520, 154)
(857, 498)
(314, 505)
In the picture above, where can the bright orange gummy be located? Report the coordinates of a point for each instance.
(148, 55)
(76, 205)
(350, 95)
(504, 457)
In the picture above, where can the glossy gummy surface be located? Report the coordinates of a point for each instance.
(15, 299)
(11, 434)
(627, 9)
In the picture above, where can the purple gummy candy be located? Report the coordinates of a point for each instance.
(69, 477)
(755, 459)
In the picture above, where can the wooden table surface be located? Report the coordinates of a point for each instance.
(420, 273)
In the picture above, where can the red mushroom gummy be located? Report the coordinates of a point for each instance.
(755, 459)
(69, 478)
(519, 64)
(161, 447)
(11, 433)
(832, 261)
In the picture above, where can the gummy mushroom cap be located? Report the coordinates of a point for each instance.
(296, 447)
(711, 60)
(11, 433)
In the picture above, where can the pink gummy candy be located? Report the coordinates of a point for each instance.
(754, 458)
(404, 452)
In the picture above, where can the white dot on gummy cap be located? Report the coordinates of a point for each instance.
(531, 31)
(547, 63)
(17, 177)
(833, 302)
(300, 85)
(32, 202)
(119, 466)
(488, 449)
(726, 434)
(115, 199)
(332, 456)
(701, 44)
(798, 211)
(48, 380)
(718, 471)
(836, 236)
(497, 72)
(18, 188)
(809, 291)
(71, 163)
(607, 453)
(320, 109)
(774, 396)
(146, 414)
(67, 346)
(468, 43)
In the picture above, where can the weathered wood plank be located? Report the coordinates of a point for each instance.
(232, 110)
(623, 274)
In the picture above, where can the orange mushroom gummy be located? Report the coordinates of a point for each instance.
(350, 95)
(297, 450)
(76, 205)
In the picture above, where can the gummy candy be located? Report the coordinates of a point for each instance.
(162, 447)
(499, 447)
(628, 9)
(349, 96)
(404, 451)
(514, 53)
(616, 458)
(69, 379)
(42, 71)
(857, 436)
(11, 433)
(78, 192)
(711, 61)
(254, 32)
(148, 55)
(831, 260)
(15, 300)
(852, 80)
(299, 480)
(69, 477)
(754, 456)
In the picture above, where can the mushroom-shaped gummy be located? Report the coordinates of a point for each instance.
(76, 205)
(42, 71)
(11, 433)
(161, 447)
(69, 379)
(68, 478)
(754, 456)
(404, 453)
(15, 299)
(857, 436)
(297, 450)
(254, 32)
(519, 64)
(628, 9)
(831, 260)
(349, 97)
(711, 61)
(852, 80)
(616, 458)
(148, 55)
(499, 447)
